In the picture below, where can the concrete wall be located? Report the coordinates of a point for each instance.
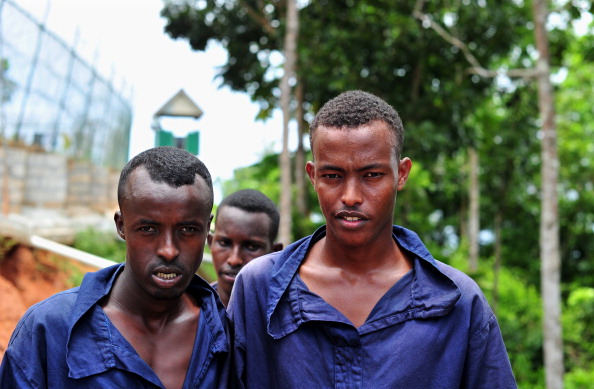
(43, 180)
(13, 183)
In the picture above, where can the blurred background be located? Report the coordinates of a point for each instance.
(494, 96)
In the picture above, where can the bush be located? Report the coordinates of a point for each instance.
(101, 243)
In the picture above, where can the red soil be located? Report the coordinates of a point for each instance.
(28, 276)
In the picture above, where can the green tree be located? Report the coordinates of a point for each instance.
(373, 45)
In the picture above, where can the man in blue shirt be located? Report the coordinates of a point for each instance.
(246, 226)
(148, 323)
(361, 303)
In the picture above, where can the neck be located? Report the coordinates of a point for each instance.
(383, 253)
(135, 302)
(223, 295)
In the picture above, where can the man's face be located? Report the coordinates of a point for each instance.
(239, 237)
(356, 175)
(165, 231)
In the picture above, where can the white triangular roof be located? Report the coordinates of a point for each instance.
(180, 105)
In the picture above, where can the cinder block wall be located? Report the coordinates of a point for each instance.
(46, 182)
(38, 179)
(13, 183)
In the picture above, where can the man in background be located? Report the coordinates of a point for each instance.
(246, 226)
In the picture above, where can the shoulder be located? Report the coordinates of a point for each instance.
(257, 273)
(261, 266)
(472, 299)
(466, 284)
(253, 282)
(49, 317)
(279, 263)
(55, 307)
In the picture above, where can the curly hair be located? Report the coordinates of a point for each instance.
(171, 165)
(354, 108)
(253, 201)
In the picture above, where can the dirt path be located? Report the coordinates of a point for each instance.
(28, 276)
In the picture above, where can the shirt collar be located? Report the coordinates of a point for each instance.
(89, 321)
(432, 292)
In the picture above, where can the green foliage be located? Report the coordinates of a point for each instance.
(576, 155)
(75, 275)
(207, 271)
(579, 379)
(518, 308)
(6, 244)
(7, 85)
(101, 243)
(578, 317)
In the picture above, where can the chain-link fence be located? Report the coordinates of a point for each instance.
(53, 99)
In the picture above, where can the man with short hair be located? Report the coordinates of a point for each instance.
(246, 225)
(361, 303)
(148, 323)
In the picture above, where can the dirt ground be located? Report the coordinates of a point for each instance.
(28, 276)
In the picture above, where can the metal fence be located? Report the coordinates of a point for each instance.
(53, 99)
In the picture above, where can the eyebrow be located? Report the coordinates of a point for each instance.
(183, 223)
(371, 166)
(147, 221)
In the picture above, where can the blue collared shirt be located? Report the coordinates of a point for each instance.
(432, 329)
(67, 341)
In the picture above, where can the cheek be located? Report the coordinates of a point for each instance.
(218, 259)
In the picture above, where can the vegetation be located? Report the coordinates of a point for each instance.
(101, 243)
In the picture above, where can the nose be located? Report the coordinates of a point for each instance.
(351, 194)
(235, 259)
(167, 247)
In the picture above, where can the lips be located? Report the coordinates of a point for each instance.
(350, 216)
(229, 275)
(167, 277)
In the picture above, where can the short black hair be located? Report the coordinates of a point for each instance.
(354, 108)
(253, 201)
(171, 165)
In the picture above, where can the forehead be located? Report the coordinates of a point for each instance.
(235, 220)
(374, 139)
(141, 189)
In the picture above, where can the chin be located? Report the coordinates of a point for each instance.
(168, 294)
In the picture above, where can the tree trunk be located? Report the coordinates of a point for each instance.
(549, 220)
(497, 263)
(300, 181)
(473, 212)
(290, 49)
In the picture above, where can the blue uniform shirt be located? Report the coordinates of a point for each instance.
(67, 341)
(432, 329)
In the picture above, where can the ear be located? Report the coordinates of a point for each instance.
(209, 239)
(277, 247)
(404, 167)
(310, 168)
(119, 222)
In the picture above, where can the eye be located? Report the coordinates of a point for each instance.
(253, 246)
(224, 242)
(189, 229)
(331, 175)
(374, 174)
(147, 229)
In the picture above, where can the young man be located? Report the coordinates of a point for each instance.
(362, 303)
(246, 226)
(150, 322)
